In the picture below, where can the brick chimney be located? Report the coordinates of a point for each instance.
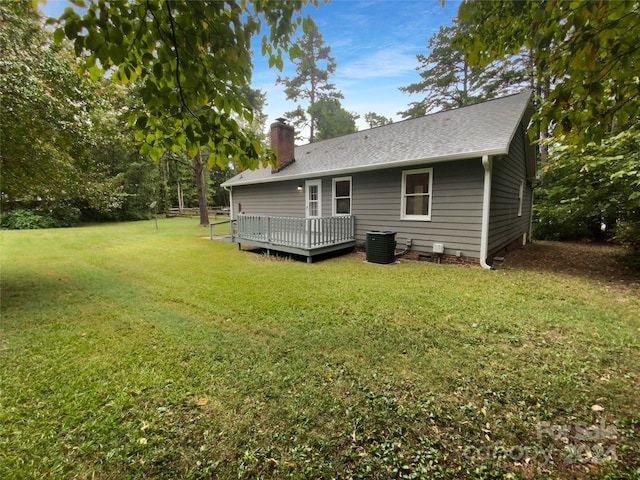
(282, 141)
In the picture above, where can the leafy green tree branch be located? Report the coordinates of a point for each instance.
(192, 59)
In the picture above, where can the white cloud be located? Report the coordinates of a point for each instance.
(375, 43)
(391, 61)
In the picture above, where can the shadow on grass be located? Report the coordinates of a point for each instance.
(32, 297)
(275, 256)
(596, 262)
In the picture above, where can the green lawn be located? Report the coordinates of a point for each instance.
(128, 352)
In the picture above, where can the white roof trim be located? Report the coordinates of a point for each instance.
(375, 166)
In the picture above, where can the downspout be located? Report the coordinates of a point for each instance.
(230, 190)
(487, 163)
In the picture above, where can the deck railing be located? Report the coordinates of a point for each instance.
(307, 233)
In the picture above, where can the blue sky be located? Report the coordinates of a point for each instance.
(374, 43)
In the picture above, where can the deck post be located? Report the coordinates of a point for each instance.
(269, 230)
(353, 227)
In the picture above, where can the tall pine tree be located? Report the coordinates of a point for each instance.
(314, 65)
(449, 81)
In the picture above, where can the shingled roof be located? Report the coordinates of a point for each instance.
(473, 131)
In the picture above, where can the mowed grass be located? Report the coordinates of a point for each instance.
(131, 352)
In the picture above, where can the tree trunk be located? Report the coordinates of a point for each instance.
(163, 194)
(465, 84)
(198, 168)
(312, 121)
(545, 88)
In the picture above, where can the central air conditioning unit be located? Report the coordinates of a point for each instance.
(381, 247)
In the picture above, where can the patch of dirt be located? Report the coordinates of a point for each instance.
(597, 262)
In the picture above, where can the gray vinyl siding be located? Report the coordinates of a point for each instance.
(505, 225)
(280, 199)
(456, 205)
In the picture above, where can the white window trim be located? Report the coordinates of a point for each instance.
(334, 198)
(520, 197)
(403, 203)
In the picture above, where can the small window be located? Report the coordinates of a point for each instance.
(416, 194)
(520, 195)
(342, 196)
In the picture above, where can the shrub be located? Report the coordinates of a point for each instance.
(23, 219)
(41, 217)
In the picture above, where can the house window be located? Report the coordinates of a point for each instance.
(520, 195)
(416, 194)
(342, 196)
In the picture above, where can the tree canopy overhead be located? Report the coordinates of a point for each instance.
(590, 50)
(586, 55)
(193, 59)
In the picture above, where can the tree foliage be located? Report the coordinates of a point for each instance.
(375, 120)
(193, 60)
(257, 99)
(66, 152)
(314, 65)
(44, 103)
(113, 155)
(590, 50)
(593, 194)
(332, 119)
(587, 54)
(450, 81)
(62, 150)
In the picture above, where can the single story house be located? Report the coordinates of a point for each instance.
(457, 182)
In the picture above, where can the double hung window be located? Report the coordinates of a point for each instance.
(416, 194)
(342, 196)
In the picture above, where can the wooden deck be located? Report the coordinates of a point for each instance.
(299, 236)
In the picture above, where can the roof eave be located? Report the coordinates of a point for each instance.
(525, 118)
(530, 147)
(370, 167)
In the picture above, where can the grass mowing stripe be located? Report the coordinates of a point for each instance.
(137, 353)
